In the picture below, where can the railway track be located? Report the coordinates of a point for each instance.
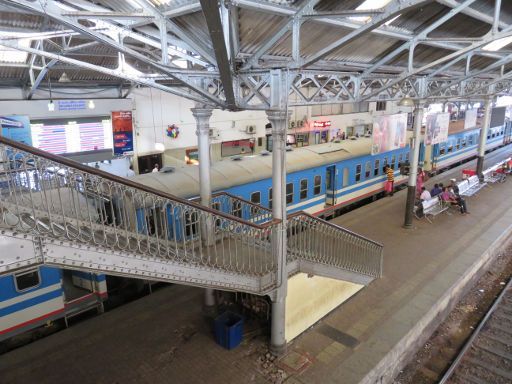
(486, 358)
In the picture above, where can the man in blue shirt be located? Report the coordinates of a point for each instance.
(436, 190)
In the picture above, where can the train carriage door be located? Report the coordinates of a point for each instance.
(330, 185)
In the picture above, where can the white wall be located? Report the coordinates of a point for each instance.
(155, 110)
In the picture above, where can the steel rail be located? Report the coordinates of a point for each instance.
(474, 335)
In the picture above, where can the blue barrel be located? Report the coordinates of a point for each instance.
(229, 328)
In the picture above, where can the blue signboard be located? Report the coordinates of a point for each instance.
(71, 105)
(16, 128)
(122, 132)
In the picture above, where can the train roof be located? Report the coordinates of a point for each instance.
(184, 181)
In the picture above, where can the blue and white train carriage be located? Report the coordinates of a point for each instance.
(461, 146)
(320, 178)
(30, 299)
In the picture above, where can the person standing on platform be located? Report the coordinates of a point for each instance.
(390, 181)
(130, 172)
(420, 180)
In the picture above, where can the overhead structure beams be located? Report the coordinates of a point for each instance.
(215, 70)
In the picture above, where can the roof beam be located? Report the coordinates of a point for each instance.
(347, 13)
(421, 35)
(453, 56)
(473, 13)
(395, 8)
(306, 6)
(107, 15)
(212, 15)
(40, 77)
(198, 46)
(52, 10)
(110, 72)
(265, 6)
(182, 10)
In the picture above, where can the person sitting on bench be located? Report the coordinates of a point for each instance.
(425, 195)
(458, 198)
(436, 190)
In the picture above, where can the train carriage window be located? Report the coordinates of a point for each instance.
(450, 148)
(463, 142)
(345, 176)
(401, 158)
(457, 146)
(384, 163)
(442, 149)
(393, 161)
(470, 140)
(289, 193)
(376, 169)
(256, 197)
(27, 280)
(367, 169)
(318, 185)
(303, 189)
(270, 198)
(488, 136)
(358, 173)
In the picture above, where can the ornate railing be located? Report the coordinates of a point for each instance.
(50, 196)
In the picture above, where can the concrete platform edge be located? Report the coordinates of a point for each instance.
(399, 356)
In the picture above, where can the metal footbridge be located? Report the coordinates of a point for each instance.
(57, 212)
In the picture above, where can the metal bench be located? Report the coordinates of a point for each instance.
(433, 207)
(470, 186)
(494, 175)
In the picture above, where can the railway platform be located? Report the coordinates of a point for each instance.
(163, 339)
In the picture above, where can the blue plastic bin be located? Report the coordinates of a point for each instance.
(229, 328)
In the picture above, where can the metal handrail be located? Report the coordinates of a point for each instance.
(109, 176)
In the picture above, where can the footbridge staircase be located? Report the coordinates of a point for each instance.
(57, 212)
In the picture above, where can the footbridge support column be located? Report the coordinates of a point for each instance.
(414, 157)
(202, 115)
(279, 120)
(483, 137)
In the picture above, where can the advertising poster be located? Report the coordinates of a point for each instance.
(470, 120)
(122, 132)
(389, 132)
(16, 128)
(437, 128)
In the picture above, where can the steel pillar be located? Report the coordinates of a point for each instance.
(202, 116)
(483, 138)
(413, 171)
(279, 121)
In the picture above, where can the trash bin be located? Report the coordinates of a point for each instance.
(229, 329)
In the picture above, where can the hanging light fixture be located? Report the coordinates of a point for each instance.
(406, 102)
(51, 105)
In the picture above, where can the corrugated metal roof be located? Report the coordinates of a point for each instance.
(255, 28)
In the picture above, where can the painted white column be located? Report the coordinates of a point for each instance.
(279, 121)
(483, 137)
(202, 116)
(413, 166)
